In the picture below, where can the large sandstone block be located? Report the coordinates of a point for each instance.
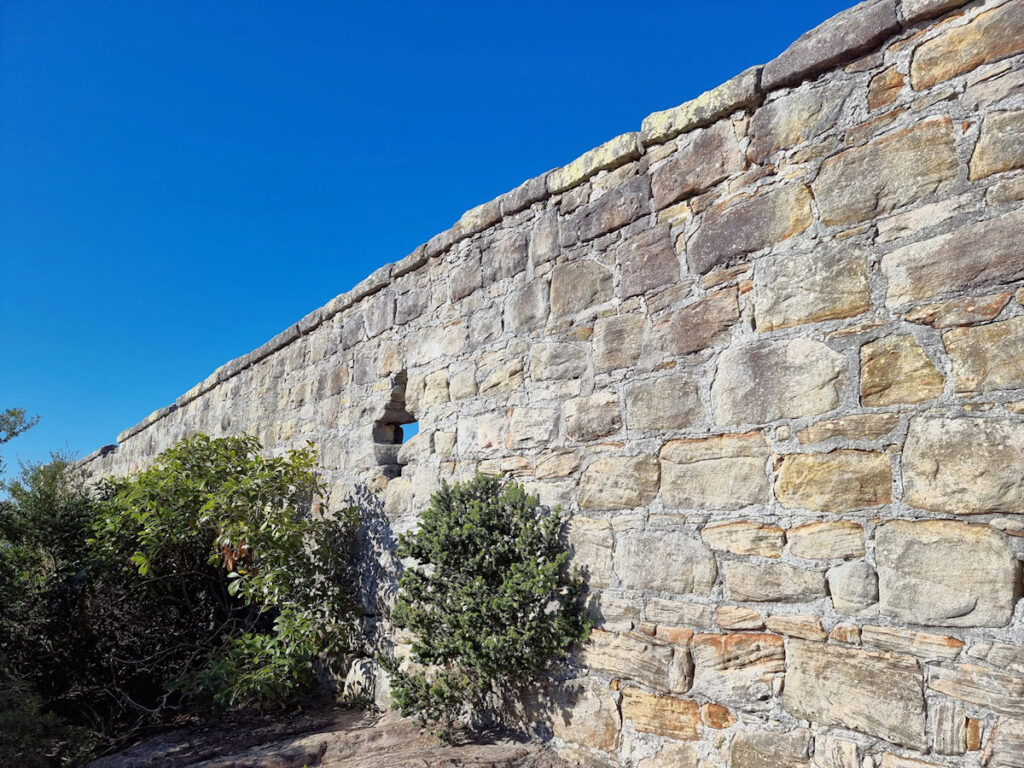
(618, 341)
(838, 39)
(620, 482)
(858, 426)
(732, 230)
(708, 156)
(648, 261)
(615, 209)
(794, 118)
(613, 153)
(578, 286)
(982, 686)
(987, 357)
(671, 402)
(585, 713)
(1000, 146)
(964, 466)
(674, 561)
(661, 715)
(593, 417)
(771, 749)
(896, 369)
(736, 93)
(879, 694)
(886, 173)
(793, 289)
(768, 380)
(695, 327)
(771, 582)
(924, 645)
(630, 657)
(853, 587)
(1006, 747)
(721, 472)
(978, 255)
(946, 573)
(839, 481)
(544, 239)
(526, 307)
(828, 540)
(991, 35)
(532, 428)
(557, 360)
(745, 537)
(591, 542)
(737, 669)
(506, 258)
(920, 10)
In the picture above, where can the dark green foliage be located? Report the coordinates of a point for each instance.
(490, 604)
(208, 581)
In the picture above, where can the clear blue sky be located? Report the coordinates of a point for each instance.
(180, 180)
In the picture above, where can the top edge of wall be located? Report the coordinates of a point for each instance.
(835, 42)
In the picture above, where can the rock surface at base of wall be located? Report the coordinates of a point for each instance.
(767, 353)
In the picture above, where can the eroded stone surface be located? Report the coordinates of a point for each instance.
(736, 670)
(745, 537)
(771, 582)
(675, 561)
(669, 402)
(771, 749)
(709, 156)
(895, 370)
(988, 357)
(794, 118)
(830, 540)
(840, 481)
(721, 472)
(982, 686)
(623, 482)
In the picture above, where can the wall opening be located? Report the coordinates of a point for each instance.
(394, 428)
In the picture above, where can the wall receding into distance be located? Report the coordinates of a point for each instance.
(769, 354)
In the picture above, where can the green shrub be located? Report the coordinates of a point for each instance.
(490, 604)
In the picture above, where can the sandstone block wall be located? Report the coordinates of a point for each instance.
(768, 352)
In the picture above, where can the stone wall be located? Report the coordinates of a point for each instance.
(769, 353)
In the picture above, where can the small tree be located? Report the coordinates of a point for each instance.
(490, 604)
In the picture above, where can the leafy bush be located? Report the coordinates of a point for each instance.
(490, 604)
(206, 581)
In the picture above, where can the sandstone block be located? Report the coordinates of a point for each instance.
(889, 760)
(504, 377)
(838, 39)
(771, 582)
(695, 327)
(860, 426)
(978, 255)
(920, 10)
(839, 481)
(964, 466)
(1005, 656)
(863, 182)
(630, 657)
(737, 93)
(671, 402)
(745, 537)
(921, 644)
(831, 751)
(678, 613)
(1000, 146)
(544, 239)
(966, 311)
(590, 418)
(618, 341)
(557, 360)
(621, 482)
(586, 713)
(896, 369)
(853, 587)
(989, 36)
(831, 540)
(739, 617)
(559, 463)
(673, 561)
(984, 687)
(532, 428)
(578, 286)
(769, 380)
(794, 118)
(410, 305)
(722, 472)
(793, 625)
(793, 289)
(648, 261)
(736, 228)
(884, 88)
(506, 258)
(616, 208)
(737, 669)
(462, 384)
(987, 357)
(379, 313)
(661, 715)
(618, 151)
(716, 716)
(526, 307)
(949, 728)
(1006, 748)
(771, 749)
(879, 694)
(707, 157)
(591, 542)
(675, 754)
(466, 276)
(946, 573)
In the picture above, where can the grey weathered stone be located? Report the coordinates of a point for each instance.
(544, 238)
(616, 208)
(619, 482)
(771, 749)
(647, 261)
(949, 728)
(705, 158)
(977, 255)
(586, 713)
(940, 475)
(532, 428)
(1006, 746)
(879, 694)
(988, 357)
(737, 669)
(853, 587)
(1005, 656)
(630, 657)
(557, 360)
(771, 582)
(914, 11)
(526, 194)
(506, 258)
(768, 380)
(843, 37)
(592, 417)
(740, 92)
(676, 613)
(793, 289)
(618, 341)
(886, 173)
(466, 276)
(591, 542)
(578, 286)
(946, 573)
(669, 402)
(1000, 146)
(721, 472)
(613, 153)
(795, 118)
(411, 305)
(673, 561)
(981, 686)
(695, 327)
(736, 228)
(526, 307)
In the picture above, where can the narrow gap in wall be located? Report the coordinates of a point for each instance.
(409, 430)
(395, 428)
